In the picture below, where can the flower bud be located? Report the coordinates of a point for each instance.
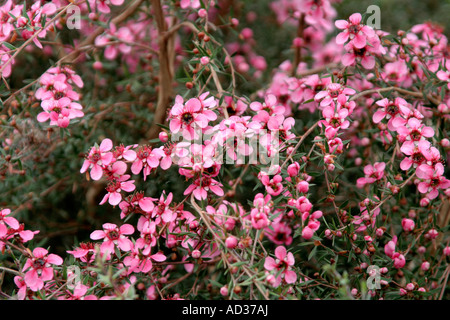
(424, 202)
(303, 186)
(408, 225)
(446, 251)
(425, 266)
(410, 286)
(204, 60)
(163, 136)
(196, 254)
(202, 13)
(231, 242)
(307, 233)
(224, 291)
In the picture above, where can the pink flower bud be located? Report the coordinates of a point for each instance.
(365, 141)
(424, 202)
(293, 169)
(298, 42)
(446, 251)
(231, 242)
(442, 108)
(354, 292)
(403, 292)
(408, 225)
(358, 161)
(303, 186)
(204, 60)
(193, 225)
(317, 214)
(425, 266)
(445, 142)
(399, 261)
(331, 167)
(224, 291)
(422, 289)
(163, 136)
(234, 22)
(289, 150)
(202, 13)
(247, 33)
(384, 270)
(196, 254)
(432, 234)
(328, 234)
(410, 287)
(421, 250)
(379, 232)
(97, 65)
(307, 233)
(412, 214)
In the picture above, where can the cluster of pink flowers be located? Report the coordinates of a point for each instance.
(363, 42)
(58, 99)
(11, 229)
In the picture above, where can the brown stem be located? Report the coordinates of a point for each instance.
(165, 71)
(298, 50)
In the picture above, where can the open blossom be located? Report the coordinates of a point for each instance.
(188, 117)
(147, 159)
(414, 131)
(115, 187)
(392, 111)
(85, 252)
(365, 55)
(39, 268)
(354, 31)
(114, 236)
(139, 262)
(432, 180)
(202, 185)
(97, 158)
(332, 92)
(283, 262)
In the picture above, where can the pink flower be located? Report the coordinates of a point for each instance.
(375, 172)
(10, 221)
(139, 262)
(112, 236)
(414, 131)
(391, 110)
(147, 159)
(415, 154)
(364, 55)
(202, 185)
(433, 180)
(85, 252)
(39, 268)
(332, 92)
(273, 185)
(187, 117)
(354, 30)
(97, 158)
(283, 262)
(115, 187)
